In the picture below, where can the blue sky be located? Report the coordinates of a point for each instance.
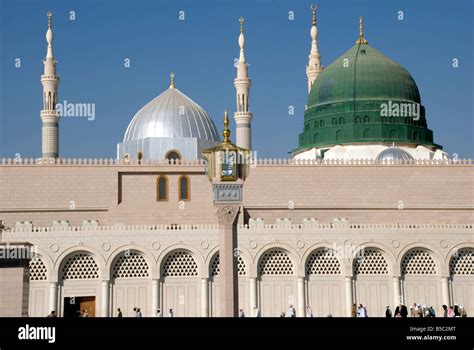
(200, 51)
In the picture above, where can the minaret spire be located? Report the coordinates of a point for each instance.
(243, 117)
(49, 114)
(314, 64)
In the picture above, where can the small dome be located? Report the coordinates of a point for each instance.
(171, 114)
(393, 153)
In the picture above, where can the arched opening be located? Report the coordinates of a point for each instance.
(461, 270)
(181, 291)
(79, 277)
(366, 133)
(174, 156)
(214, 273)
(131, 283)
(372, 281)
(140, 157)
(393, 134)
(325, 284)
(38, 295)
(162, 188)
(184, 186)
(339, 135)
(416, 137)
(277, 282)
(420, 280)
(316, 138)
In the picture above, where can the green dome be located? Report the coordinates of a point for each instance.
(364, 97)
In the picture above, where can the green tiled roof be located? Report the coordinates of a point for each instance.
(344, 105)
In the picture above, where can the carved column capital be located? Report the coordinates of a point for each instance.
(227, 213)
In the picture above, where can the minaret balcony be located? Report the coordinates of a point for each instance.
(49, 77)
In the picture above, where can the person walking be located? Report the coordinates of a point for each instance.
(309, 311)
(291, 312)
(158, 313)
(388, 312)
(119, 313)
(241, 313)
(170, 313)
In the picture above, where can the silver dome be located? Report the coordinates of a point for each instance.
(393, 153)
(171, 114)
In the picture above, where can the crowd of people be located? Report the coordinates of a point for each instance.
(360, 310)
(416, 310)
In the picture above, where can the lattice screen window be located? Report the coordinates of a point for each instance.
(80, 266)
(38, 271)
(179, 264)
(323, 262)
(371, 262)
(275, 262)
(131, 265)
(462, 263)
(241, 269)
(418, 262)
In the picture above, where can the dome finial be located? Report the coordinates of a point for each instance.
(314, 8)
(171, 80)
(226, 132)
(49, 14)
(361, 39)
(49, 38)
(241, 20)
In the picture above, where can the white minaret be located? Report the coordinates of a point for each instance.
(243, 117)
(49, 115)
(314, 64)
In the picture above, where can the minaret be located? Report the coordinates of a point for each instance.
(49, 115)
(243, 117)
(314, 64)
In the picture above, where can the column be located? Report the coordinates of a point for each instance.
(205, 297)
(397, 295)
(252, 295)
(348, 294)
(53, 297)
(155, 295)
(444, 291)
(228, 278)
(300, 312)
(104, 299)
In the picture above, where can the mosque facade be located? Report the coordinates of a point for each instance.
(368, 210)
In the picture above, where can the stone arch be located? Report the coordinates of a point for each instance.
(115, 255)
(177, 246)
(387, 254)
(130, 263)
(315, 248)
(183, 255)
(463, 263)
(213, 265)
(371, 261)
(323, 261)
(62, 259)
(276, 261)
(80, 265)
(441, 268)
(48, 262)
(294, 256)
(38, 270)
